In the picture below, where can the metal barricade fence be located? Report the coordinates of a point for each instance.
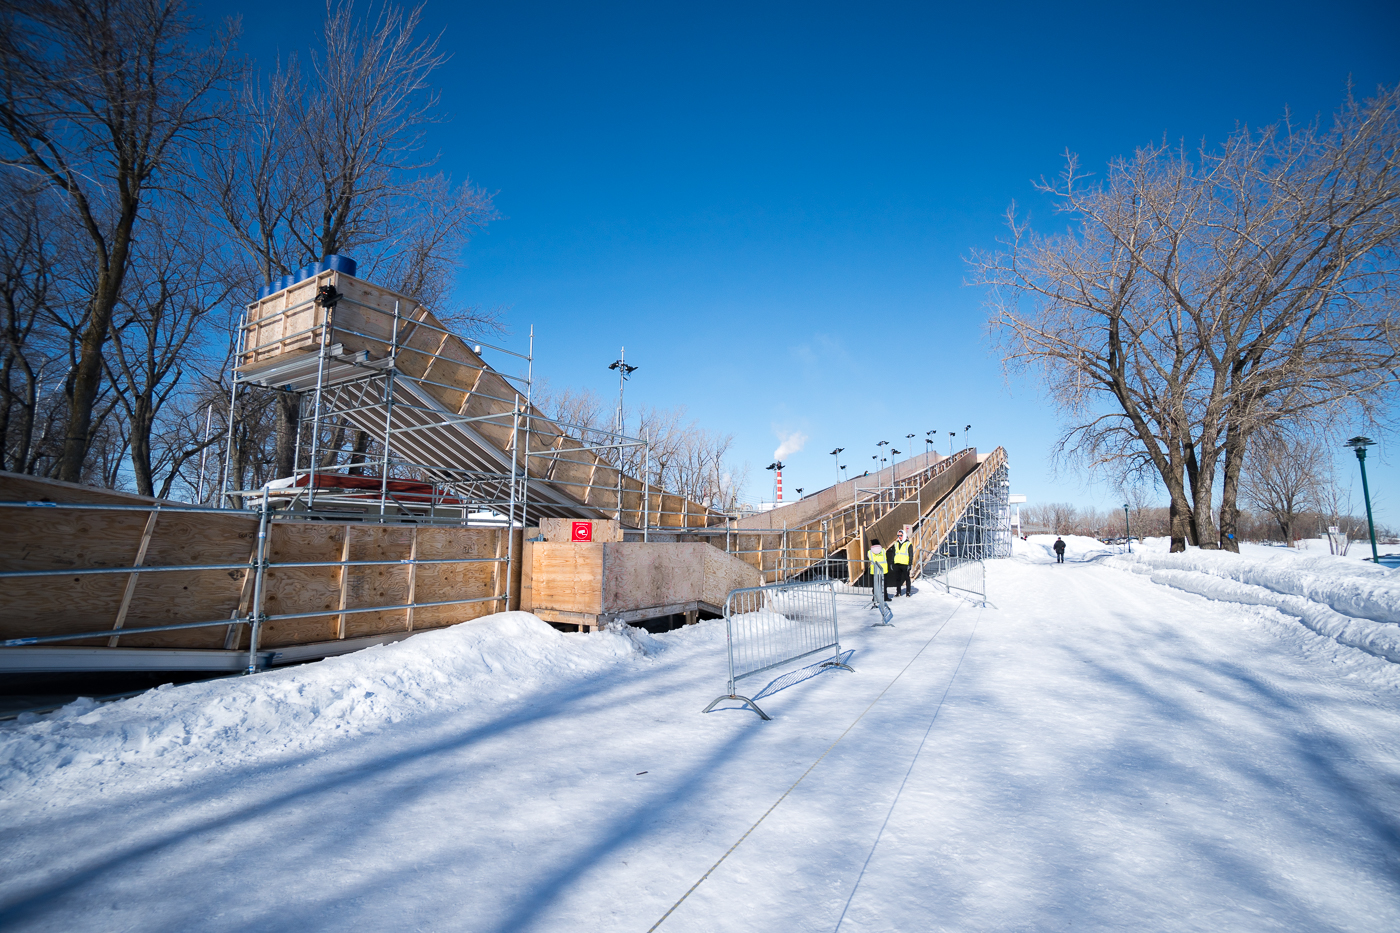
(877, 599)
(837, 570)
(768, 627)
(958, 576)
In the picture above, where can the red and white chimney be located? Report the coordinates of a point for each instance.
(780, 485)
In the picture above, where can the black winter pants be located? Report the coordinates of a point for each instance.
(899, 576)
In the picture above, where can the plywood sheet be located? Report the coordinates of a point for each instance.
(568, 577)
(605, 531)
(639, 575)
(723, 573)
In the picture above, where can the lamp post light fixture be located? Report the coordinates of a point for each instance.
(1359, 444)
(951, 435)
(836, 455)
(1127, 528)
(624, 372)
(842, 468)
(965, 430)
(799, 492)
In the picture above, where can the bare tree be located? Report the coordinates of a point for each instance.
(32, 350)
(332, 161)
(1281, 478)
(1206, 296)
(158, 334)
(1060, 517)
(97, 100)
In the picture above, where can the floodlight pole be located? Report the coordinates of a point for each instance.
(1359, 444)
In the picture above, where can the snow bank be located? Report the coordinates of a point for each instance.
(291, 710)
(1354, 603)
(1040, 549)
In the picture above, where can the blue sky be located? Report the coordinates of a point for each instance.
(770, 205)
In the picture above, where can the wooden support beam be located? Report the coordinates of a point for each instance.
(131, 580)
(344, 583)
(412, 578)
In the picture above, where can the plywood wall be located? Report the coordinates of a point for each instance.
(52, 538)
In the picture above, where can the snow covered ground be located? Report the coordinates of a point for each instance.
(1106, 749)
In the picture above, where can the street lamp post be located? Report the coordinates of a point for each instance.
(965, 430)
(881, 474)
(1359, 444)
(1127, 528)
(624, 372)
(951, 435)
(836, 456)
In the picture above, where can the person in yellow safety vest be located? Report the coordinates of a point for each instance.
(878, 562)
(901, 556)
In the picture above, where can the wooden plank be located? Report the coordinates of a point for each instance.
(525, 602)
(383, 584)
(585, 621)
(344, 583)
(296, 590)
(131, 580)
(568, 577)
(412, 579)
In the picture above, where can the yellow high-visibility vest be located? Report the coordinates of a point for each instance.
(903, 552)
(877, 560)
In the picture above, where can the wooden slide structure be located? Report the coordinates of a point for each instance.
(929, 493)
(98, 580)
(390, 368)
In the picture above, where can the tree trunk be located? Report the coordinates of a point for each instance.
(357, 458)
(1235, 445)
(288, 423)
(142, 418)
(1179, 511)
(86, 379)
(86, 382)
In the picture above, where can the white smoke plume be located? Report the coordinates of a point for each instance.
(790, 444)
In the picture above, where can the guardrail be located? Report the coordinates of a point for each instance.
(958, 576)
(768, 627)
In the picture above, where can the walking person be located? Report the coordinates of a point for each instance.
(1059, 550)
(879, 569)
(901, 557)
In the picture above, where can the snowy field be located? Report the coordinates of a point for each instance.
(1161, 742)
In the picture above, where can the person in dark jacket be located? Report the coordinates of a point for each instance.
(1059, 550)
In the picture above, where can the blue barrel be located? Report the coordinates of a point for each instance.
(304, 273)
(342, 264)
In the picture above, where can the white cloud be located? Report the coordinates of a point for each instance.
(790, 443)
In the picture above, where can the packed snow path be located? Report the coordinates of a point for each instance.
(1097, 752)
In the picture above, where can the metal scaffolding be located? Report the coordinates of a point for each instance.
(378, 378)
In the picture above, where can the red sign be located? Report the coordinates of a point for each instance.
(583, 531)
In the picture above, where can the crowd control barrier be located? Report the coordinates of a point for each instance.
(878, 601)
(958, 577)
(769, 627)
